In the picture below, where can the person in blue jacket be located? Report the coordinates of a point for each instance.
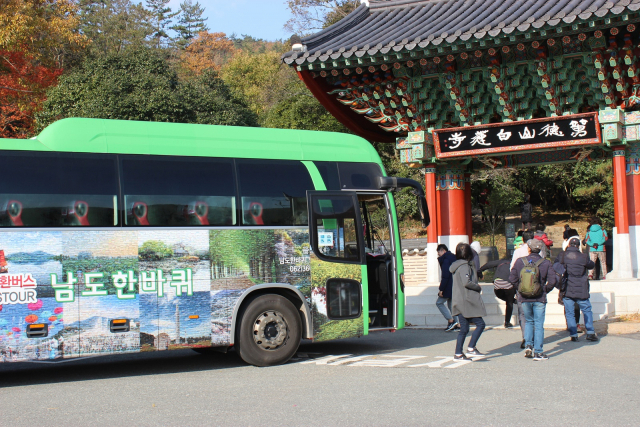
(595, 239)
(445, 259)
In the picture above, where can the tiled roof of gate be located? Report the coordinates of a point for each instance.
(396, 25)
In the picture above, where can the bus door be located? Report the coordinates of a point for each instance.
(381, 264)
(337, 262)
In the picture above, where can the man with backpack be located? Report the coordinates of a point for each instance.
(533, 277)
(576, 287)
(595, 239)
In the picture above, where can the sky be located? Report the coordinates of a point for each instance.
(261, 19)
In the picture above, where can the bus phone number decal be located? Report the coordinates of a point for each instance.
(297, 264)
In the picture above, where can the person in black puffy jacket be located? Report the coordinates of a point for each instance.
(502, 288)
(577, 265)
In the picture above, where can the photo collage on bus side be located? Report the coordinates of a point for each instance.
(176, 288)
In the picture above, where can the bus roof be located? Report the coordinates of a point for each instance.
(180, 139)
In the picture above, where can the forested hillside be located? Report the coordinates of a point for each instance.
(119, 59)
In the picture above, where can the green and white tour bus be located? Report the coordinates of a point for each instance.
(124, 236)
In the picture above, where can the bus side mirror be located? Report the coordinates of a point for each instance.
(424, 211)
(389, 183)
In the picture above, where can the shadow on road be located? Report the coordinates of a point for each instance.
(117, 366)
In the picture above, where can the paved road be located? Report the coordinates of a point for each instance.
(404, 378)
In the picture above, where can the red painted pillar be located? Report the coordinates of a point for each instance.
(450, 186)
(633, 184)
(430, 190)
(622, 258)
(467, 200)
(433, 267)
(633, 204)
(620, 190)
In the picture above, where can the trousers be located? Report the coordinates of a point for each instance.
(464, 330)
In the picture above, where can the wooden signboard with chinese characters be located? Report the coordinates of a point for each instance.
(526, 135)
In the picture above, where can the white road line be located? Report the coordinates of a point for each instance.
(379, 363)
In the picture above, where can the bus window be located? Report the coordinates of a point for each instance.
(273, 192)
(349, 175)
(336, 221)
(58, 190)
(360, 176)
(169, 191)
(329, 173)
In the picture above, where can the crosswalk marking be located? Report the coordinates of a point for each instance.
(388, 361)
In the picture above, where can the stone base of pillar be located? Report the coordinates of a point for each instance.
(634, 240)
(622, 260)
(452, 241)
(433, 267)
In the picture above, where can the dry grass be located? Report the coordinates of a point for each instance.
(635, 317)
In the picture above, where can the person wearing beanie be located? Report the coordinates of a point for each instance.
(577, 266)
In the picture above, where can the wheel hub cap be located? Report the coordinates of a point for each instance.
(269, 330)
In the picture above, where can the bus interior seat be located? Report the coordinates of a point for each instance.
(14, 211)
(140, 213)
(198, 213)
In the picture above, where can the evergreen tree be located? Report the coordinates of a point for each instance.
(190, 23)
(139, 84)
(113, 25)
(161, 18)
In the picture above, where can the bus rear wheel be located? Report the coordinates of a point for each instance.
(269, 331)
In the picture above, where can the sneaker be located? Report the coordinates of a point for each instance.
(574, 339)
(522, 346)
(460, 357)
(508, 325)
(457, 328)
(528, 352)
(540, 356)
(592, 337)
(450, 327)
(474, 352)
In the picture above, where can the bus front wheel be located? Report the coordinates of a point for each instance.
(269, 331)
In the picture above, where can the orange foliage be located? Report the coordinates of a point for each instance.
(207, 51)
(23, 82)
(44, 29)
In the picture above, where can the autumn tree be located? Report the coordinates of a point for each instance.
(139, 84)
(208, 51)
(161, 18)
(45, 30)
(190, 22)
(23, 82)
(36, 36)
(261, 79)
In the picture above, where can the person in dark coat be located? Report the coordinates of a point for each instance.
(526, 212)
(445, 259)
(577, 265)
(534, 308)
(502, 288)
(467, 303)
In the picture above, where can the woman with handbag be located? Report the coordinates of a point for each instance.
(467, 303)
